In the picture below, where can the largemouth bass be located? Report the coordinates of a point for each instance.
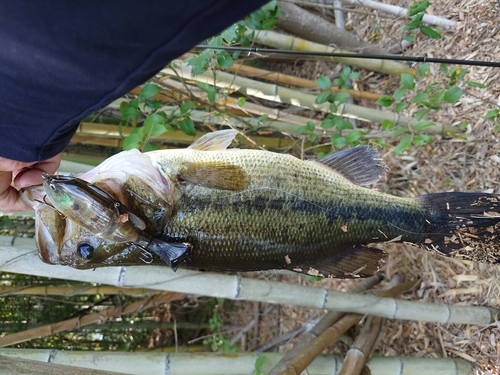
(245, 210)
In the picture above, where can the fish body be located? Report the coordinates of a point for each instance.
(243, 210)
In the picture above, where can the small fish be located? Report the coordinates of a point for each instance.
(245, 210)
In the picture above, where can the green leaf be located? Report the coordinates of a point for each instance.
(403, 144)
(186, 106)
(354, 136)
(130, 112)
(422, 125)
(187, 126)
(302, 129)
(429, 32)
(384, 101)
(123, 106)
(327, 124)
(149, 147)
(134, 103)
(423, 68)
(209, 90)
(422, 139)
(153, 103)
(399, 131)
(421, 113)
(417, 7)
(262, 118)
(400, 106)
(323, 97)
(437, 97)
(491, 114)
(408, 81)
(399, 93)
(131, 141)
(420, 97)
(453, 94)
(313, 137)
(149, 90)
(342, 97)
(314, 278)
(339, 141)
(476, 84)
(259, 362)
(387, 125)
(241, 101)
(415, 22)
(157, 129)
(409, 38)
(354, 75)
(310, 126)
(342, 124)
(225, 60)
(152, 120)
(323, 82)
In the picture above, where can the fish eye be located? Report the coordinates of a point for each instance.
(85, 250)
(52, 187)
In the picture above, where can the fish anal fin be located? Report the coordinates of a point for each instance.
(219, 175)
(355, 262)
(362, 165)
(215, 141)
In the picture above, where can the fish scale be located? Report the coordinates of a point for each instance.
(291, 211)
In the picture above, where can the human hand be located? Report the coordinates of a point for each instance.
(25, 174)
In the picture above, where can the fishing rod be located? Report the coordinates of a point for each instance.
(412, 59)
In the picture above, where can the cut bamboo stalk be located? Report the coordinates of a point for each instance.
(397, 11)
(155, 363)
(358, 354)
(250, 71)
(21, 366)
(19, 255)
(71, 290)
(102, 316)
(291, 43)
(326, 321)
(331, 335)
(284, 95)
(316, 347)
(309, 26)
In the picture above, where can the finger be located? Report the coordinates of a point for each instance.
(33, 175)
(9, 197)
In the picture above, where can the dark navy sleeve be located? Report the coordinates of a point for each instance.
(61, 60)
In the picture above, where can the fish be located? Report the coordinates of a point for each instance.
(246, 210)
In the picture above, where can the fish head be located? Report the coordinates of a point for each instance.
(128, 178)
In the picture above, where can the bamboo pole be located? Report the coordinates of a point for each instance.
(71, 290)
(287, 42)
(19, 255)
(21, 366)
(309, 26)
(102, 316)
(155, 363)
(251, 72)
(284, 95)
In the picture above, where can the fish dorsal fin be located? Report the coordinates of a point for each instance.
(215, 141)
(361, 165)
(220, 175)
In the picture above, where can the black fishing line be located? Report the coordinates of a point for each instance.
(412, 59)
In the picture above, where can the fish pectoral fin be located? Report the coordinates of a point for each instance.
(361, 165)
(358, 261)
(215, 141)
(220, 175)
(170, 253)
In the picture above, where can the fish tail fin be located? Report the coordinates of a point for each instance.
(170, 253)
(466, 224)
